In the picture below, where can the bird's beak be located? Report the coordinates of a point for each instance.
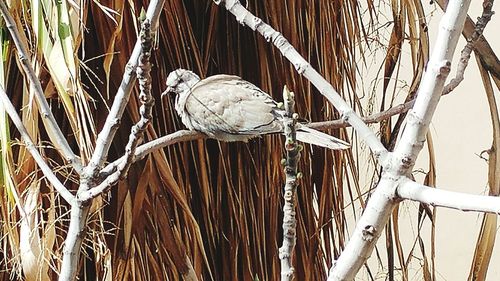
(167, 91)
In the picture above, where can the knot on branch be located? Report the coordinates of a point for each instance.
(369, 232)
(444, 70)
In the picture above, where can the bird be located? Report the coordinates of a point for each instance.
(228, 108)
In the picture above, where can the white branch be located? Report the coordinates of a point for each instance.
(368, 230)
(449, 199)
(112, 176)
(74, 239)
(431, 87)
(397, 165)
(54, 132)
(112, 123)
(186, 135)
(244, 16)
(46, 170)
(384, 199)
(80, 207)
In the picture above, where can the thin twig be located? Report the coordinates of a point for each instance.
(53, 129)
(459, 77)
(112, 176)
(289, 191)
(186, 135)
(471, 42)
(46, 170)
(374, 118)
(112, 122)
(482, 46)
(145, 98)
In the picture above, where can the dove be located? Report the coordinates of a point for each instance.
(228, 108)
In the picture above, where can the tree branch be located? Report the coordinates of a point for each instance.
(290, 188)
(110, 171)
(46, 170)
(74, 238)
(459, 76)
(471, 42)
(187, 135)
(244, 16)
(89, 178)
(384, 199)
(54, 132)
(448, 199)
(374, 118)
(482, 47)
(145, 98)
(112, 122)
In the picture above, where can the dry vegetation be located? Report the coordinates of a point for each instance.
(213, 205)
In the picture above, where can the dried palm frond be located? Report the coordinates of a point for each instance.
(199, 208)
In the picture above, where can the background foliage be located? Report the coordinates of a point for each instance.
(213, 205)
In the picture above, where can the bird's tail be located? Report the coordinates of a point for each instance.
(308, 135)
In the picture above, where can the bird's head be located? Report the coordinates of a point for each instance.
(180, 80)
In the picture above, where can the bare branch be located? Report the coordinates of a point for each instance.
(145, 97)
(244, 16)
(186, 135)
(374, 118)
(384, 199)
(448, 199)
(74, 238)
(482, 47)
(110, 171)
(80, 208)
(53, 130)
(112, 123)
(46, 170)
(290, 188)
(471, 42)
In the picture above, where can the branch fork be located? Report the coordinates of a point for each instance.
(395, 165)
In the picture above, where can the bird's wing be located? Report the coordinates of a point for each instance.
(225, 103)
